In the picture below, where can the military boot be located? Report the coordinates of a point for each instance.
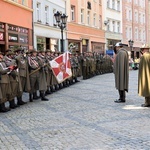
(43, 98)
(35, 97)
(3, 108)
(20, 101)
(12, 104)
(30, 97)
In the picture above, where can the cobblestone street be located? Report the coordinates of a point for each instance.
(80, 117)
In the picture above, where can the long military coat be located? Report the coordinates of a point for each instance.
(144, 75)
(121, 70)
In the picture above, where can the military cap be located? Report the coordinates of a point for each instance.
(48, 50)
(145, 46)
(10, 53)
(18, 49)
(33, 51)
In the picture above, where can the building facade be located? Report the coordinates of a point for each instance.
(46, 33)
(112, 23)
(15, 24)
(135, 24)
(84, 28)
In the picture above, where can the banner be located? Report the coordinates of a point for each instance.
(61, 67)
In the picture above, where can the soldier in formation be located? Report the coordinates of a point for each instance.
(31, 72)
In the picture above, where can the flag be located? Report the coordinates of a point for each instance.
(61, 67)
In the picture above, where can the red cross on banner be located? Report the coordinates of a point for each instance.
(61, 67)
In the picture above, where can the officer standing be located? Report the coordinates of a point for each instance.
(144, 75)
(24, 74)
(121, 71)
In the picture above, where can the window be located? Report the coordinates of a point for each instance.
(94, 19)
(113, 26)
(24, 2)
(88, 18)
(100, 21)
(136, 34)
(54, 20)
(108, 3)
(113, 4)
(38, 7)
(140, 35)
(126, 33)
(136, 16)
(46, 14)
(72, 13)
(143, 18)
(130, 32)
(144, 36)
(108, 26)
(118, 27)
(130, 15)
(118, 5)
(82, 16)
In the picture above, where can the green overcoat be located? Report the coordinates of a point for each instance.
(144, 75)
(121, 70)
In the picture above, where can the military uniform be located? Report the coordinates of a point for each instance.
(5, 87)
(42, 74)
(24, 75)
(34, 68)
(14, 78)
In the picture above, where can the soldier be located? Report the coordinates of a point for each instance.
(49, 71)
(144, 75)
(121, 71)
(84, 71)
(34, 68)
(42, 74)
(5, 88)
(24, 74)
(14, 79)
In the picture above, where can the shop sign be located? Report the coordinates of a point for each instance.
(23, 39)
(13, 37)
(1, 36)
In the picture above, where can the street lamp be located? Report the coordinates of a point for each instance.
(61, 20)
(131, 46)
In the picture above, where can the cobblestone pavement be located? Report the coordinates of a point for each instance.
(80, 117)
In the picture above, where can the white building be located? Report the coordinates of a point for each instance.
(112, 22)
(46, 34)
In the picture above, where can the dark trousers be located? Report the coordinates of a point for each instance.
(122, 94)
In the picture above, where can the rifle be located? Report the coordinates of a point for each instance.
(35, 71)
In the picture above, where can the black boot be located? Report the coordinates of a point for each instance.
(35, 96)
(12, 104)
(30, 97)
(52, 89)
(43, 98)
(20, 101)
(56, 87)
(48, 92)
(3, 108)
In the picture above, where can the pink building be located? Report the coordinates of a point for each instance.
(135, 24)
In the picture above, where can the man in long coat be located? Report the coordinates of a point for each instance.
(5, 87)
(144, 75)
(24, 74)
(121, 71)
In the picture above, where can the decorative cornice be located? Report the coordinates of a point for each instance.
(18, 5)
